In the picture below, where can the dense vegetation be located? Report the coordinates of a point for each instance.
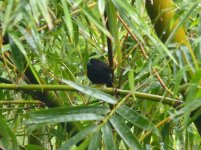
(153, 49)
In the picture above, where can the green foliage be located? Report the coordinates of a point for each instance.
(51, 42)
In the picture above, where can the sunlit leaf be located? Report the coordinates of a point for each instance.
(7, 14)
(67, 114)
(95, 142)
(108, 138)
(137, 119)
(67, 19)
(93, 19)
(78, 137)
(42, 5)
(101, 6)
(125, 133)
(91, 91)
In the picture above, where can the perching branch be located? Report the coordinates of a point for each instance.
(43, 88)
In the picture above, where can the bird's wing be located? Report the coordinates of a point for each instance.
(106, 68)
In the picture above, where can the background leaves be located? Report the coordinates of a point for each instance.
(50, 43)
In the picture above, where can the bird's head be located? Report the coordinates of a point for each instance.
(92, 62)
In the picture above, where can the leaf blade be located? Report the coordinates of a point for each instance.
(91, 91)
(125, 133)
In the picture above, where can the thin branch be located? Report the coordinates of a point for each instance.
(37, 87)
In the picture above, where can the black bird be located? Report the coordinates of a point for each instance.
(99, 72)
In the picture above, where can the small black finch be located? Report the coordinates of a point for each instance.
(99, 72)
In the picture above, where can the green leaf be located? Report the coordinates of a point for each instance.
(189, 107)
(178, 79)
(7, 14)
(129, 10)
(24, 53)
(32, 38)
(84, 144)
(17, 58)
(101, 6)
(42, 5)
(125, 133)
(161, 47)
(67, 114)
(190, 11)
(108, 138)
(166, 134)
(78, 137)
(195, 116)
(34, 147)
(76, 33)
(113, 28)
(95, 141)
(67, 19)
(131, 82)
(7, 137)
(94, 20)
(91, 91)
(137, 119)
(137, 24)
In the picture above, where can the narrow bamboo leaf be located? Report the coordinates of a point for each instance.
(76, 33)
(137, 119)
(108, 138)
(68, 72)
(94, 20)
(140, 6)
(101, 6)
(166, 130)
(32, 38)
(113, 28)
(84, 145)
(111, 13)
(195, 116)
(23, 51)
(4, 80)
(75, 3)
(7, 137)
(178, 78)
(67, 19)
(91, 91)
(95, 141)
(78, 137)
(66, 118)
(161, 47)
(34, 147)
(100, 110)
(125, 133)
(126, 11)
(18, 43)
(7, 13)
(35, 11)
(43, 6)
(190, 11)
(194, 94)
(130, 11)
(189, 107)
(67, 114)
(17, 57)
(131, 82)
